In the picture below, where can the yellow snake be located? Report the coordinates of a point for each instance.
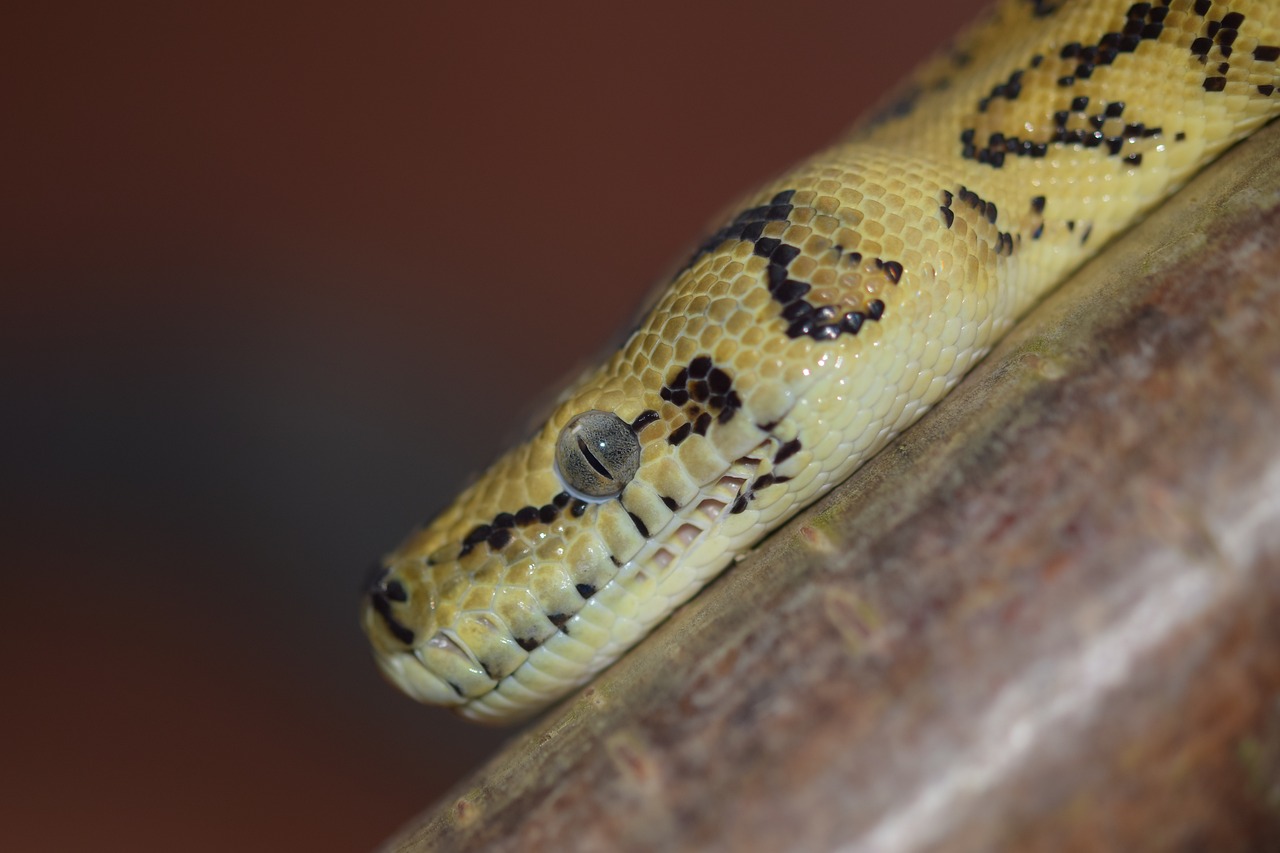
(839, 304)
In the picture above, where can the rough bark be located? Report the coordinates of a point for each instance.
(1047, 617)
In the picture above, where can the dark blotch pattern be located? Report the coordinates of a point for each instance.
(1044, 8)
(497, 533)
(786, 451)
(707, 390)
(948, 215)
(1083, 122)
(748, 494)
(1009, 90)
(748, 225)
(640, 526)
(643, 420)
(820, 322)
(988, 211)
(381, 594)
(1220, 37)
(803, 318)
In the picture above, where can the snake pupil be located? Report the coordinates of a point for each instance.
(592, 460)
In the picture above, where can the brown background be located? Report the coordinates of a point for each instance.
(276, 279)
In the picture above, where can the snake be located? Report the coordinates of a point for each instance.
(831, 310)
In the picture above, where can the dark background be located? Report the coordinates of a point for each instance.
(276, 278)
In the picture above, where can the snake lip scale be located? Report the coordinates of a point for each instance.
(840, 303)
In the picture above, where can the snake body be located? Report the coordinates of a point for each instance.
(839, 304)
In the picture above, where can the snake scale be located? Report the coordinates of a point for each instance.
(840, 303)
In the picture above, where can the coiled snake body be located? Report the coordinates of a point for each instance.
(843, 301)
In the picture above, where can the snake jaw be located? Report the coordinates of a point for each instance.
(416, 680)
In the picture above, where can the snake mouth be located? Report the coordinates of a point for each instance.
(716, 505)
(727, 495)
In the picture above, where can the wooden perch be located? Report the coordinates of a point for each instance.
(1047, 617)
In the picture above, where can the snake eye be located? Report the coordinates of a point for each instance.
(597, 454)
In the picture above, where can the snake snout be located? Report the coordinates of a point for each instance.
(430, 665)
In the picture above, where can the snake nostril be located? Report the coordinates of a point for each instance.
(396, 591)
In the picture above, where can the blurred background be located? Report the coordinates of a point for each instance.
(277, 277)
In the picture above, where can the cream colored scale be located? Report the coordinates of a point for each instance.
(923, 249)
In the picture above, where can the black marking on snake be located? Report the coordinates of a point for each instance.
(670, 503)
(1076, 123)
(786, 451)
(710, 390)
(748, 225)
(1045, 8)
(382, 606)
(892, 270)
(679, 434)
(645, 418)
(640, 526)
(585, 590)
(381, 593)
(1143, 22)
(497, 533)
(1091, 133)
(1009, 90)
(478, 534)
(527, 643)
(560, 620)
(901, 107)
(820, 322)
(1222, 34)
(748, 494)
(988, 211)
